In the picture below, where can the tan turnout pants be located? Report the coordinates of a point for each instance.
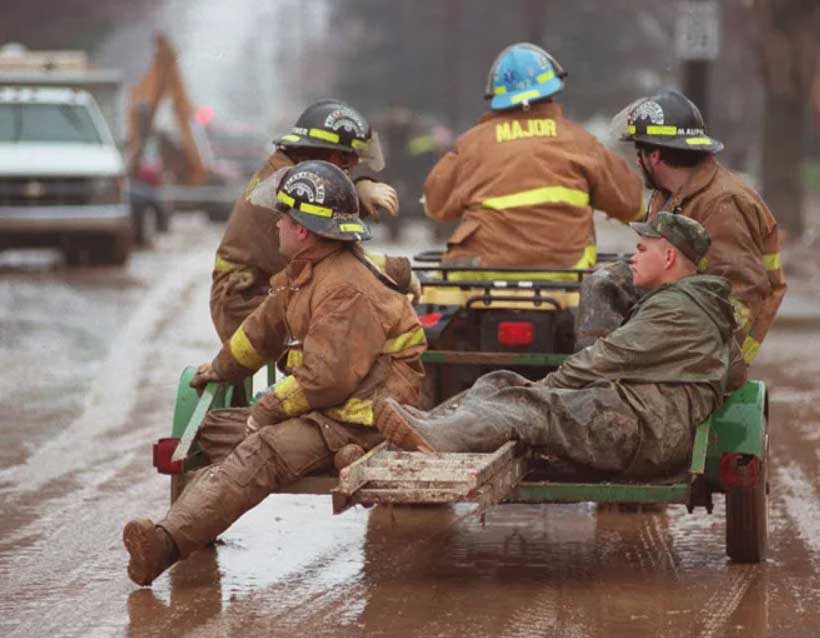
(245, 469)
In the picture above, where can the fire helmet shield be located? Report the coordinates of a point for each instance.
(319, 196)
(671, 120)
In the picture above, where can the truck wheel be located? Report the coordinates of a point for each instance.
(218, 213)
(113, 252)
(146, 225)
(747, 517)
(178, 483)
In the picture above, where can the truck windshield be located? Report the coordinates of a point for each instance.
(52, 123)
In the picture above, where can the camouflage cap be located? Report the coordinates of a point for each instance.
(684, 233)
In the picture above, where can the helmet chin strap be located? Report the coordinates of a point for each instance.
(648, 179)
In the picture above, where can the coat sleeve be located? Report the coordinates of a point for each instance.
(443, 200)
(259, 339)
(746, 250)
(344, 339)
(658, 336)
(615, 188)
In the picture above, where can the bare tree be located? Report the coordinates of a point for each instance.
(789, 49)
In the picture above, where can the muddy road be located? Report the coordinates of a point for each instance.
(89, 361)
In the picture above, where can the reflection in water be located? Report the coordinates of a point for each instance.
(195, 597)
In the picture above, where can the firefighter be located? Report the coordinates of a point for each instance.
(626, 405)
(345, 339)
(525, 179)
(246, 259)
(677, 159)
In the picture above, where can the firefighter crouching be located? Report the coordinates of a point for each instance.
(525, 179)
(677, 159)
(248, 255)
(345, 340)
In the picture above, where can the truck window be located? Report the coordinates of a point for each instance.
(52, 123)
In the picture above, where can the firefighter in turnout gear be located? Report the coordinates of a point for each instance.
(677, 158)
(525, 179)
(343, 338)
(246, 258)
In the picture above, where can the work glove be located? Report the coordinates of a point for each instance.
(204, 375)
(376, 195)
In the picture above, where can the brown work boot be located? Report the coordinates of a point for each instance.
(394, 422)
(150, 548)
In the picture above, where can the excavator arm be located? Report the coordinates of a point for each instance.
(162, 79)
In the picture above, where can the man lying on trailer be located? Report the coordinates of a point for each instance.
(626, 405)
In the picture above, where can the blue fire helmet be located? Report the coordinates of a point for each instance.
(523, 73)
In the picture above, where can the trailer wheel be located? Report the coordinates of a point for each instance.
(747, 518)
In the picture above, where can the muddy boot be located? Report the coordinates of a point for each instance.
(458, 430)
(150, 548)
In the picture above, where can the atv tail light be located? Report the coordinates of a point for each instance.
(430, 319)
(739, 470)
(515, 333)
(163, 451)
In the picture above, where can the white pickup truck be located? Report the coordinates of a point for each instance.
(62, 177)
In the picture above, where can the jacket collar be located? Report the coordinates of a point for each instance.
(300, 269)
(539, 109)
(702, 176)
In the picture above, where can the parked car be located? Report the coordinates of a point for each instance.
(62, 178)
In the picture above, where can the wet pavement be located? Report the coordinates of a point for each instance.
(90, 359)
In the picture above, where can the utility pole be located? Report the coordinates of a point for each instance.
(697, 44)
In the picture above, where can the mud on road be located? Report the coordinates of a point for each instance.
(90, 360)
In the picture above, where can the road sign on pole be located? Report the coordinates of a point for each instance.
(697, 30)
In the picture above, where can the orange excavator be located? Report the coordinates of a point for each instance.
(191, 179)
(163, 78)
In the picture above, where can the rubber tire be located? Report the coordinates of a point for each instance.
(114, 253)
(747, 518)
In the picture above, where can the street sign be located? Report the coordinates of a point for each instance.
(697, 30)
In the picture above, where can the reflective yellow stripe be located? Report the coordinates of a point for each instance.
(291, 396)
(354, 410)
(313, 209)
(223, 265)
(703, 264)
(544, 195)
(526, 95)
(631, 129)
(351, 228)
(290, 137)
(500, 90)
(305, 207)
(295, 358)
(404, 341)
(772, 261)
(699, 141)
(282, 196)
(749, 349)
(587, 260)
(242, 350)
(741, 311)
(545, 77)
(379, 260)
(253, 182)
(324, 135)
(661, 130)
(358, 144)
(421, 144)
